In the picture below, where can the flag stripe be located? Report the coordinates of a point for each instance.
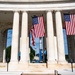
(70, 24)
(39, 27)
(33, 36)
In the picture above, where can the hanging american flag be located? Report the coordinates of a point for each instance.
(70, 23)
(33, 36)
(38, 23)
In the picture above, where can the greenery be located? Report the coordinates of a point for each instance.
(32, 53)
(8, 53)
(67, 58)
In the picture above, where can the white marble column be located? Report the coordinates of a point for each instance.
(55, 45)
(60, 38)
(28, 50)
(24, 38)
(4, 56)
(4, 46)
(15, 37)
(50, 38)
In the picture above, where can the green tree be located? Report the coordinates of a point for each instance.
(8, 53)
(32, 53)
(67, 58)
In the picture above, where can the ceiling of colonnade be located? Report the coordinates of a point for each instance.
(6, 19)
(6, 16)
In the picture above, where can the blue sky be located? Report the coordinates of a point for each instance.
(37, 46)
(9, 37)
(65, 41)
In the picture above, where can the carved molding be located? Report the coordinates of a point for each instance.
(36, 0)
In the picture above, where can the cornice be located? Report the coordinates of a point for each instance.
(37, 7)
(34, 1)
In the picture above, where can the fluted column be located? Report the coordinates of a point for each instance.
(28, 49)
(15, 37)
(24, 38)
(60, 39)
(4, 56)
(50, 38)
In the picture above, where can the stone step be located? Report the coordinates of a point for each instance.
(3, 66)
(36, 65)
(68, 72)
(38, 74)
(10, 73)
(43, 72)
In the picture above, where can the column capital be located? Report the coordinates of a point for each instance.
(57, 10)
(24, 11)
(16, 11)
(50, 10)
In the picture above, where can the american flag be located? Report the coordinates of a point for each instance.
(38, 23)
(70, 23)
(33, 36)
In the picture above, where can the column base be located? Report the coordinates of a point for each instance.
(59, 66)
(52, 62)
(23, 62)
(3, 67)
(12, 66)
(22, 66)
(18, 66)
(62, 62)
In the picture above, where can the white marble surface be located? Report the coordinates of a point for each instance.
(67, 72)
(32, 0)
(10, 73)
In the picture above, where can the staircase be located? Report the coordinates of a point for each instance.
(37, 65)
(38, 74)
(38, 69)
(10, 73)
(66, 72)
